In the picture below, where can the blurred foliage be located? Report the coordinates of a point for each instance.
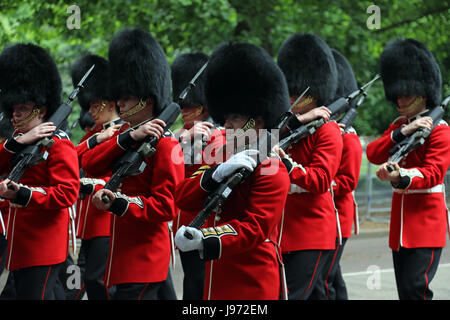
(200, 25)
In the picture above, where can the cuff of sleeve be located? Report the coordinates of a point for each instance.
(288, 164)
(92, 142)
(86, 188)
(13, 146)
(211, 248)
(397, 135)
(119, 206)
(125, 140)
(23, 197)
(207, 183)
(404, 182)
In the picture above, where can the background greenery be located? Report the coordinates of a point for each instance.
(187, 25)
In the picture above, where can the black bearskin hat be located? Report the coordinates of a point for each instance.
(184, 68)
(242, 78)
(6, 127)
(96, 85)
(307, 61)
(139, 68)
(86, 120)
(28, 73)
(346, 78)
(408, 68)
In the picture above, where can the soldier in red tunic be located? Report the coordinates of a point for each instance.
(195, 130)
(38, 225)
(310, 225)
(92, 225)
(343, 187)
(244, 90)
(412, 81)
(139, 251)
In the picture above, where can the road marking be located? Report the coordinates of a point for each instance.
(363, 273)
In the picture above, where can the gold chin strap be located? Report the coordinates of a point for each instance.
(102, 107)
(304, 102)
(194, 114)
(138, 107)
(250, 124)
(411, 107)
(34, 113)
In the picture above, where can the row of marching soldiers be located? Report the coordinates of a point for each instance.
(277, 236)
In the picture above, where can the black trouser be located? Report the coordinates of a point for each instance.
(414, 269)
(93, 258)
(167, 291)
(339, 286)
(137, 291)
(194, 275)
(325, 286)
(302, 271)
(36, 283)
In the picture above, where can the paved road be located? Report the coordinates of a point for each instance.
(367, 269)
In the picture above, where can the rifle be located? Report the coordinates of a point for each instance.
(215, 200)
(223, 191)
(336, 107)
(132, 163)
(415, 140)
(32, 154)
(191, 84)
(352, 113)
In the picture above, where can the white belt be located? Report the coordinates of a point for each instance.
(440, 188)
(296, 189)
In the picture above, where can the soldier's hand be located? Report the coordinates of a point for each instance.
(185, 244)
(314, 114)
(153, 128)
(107, 133)
(98, 199)
(5, 189)
(39, 132)
(423, 122)
(384, 175)
(341, 127)
(279, 151)
(200, 129)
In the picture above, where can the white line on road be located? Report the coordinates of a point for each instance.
(361, 273)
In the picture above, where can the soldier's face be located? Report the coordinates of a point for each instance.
(126, 103)
(191, 114)
(410, 106)
(24, 118)
(101, 110)
(235, 121)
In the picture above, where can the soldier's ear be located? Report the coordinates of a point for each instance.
(43, 112)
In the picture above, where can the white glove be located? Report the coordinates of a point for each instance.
(240, 160)
(185, 244)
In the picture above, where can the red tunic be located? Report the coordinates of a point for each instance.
(217, 140)
(310, 217)
(38, 232)
(140, 245)
(418, 219)
(346, 181)
(241, 241)
(90, 221)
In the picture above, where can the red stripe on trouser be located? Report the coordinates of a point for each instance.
(331, 267)
(426, 277)
(77, 297)
(45, 283)
(142, 292)
(312, 278)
